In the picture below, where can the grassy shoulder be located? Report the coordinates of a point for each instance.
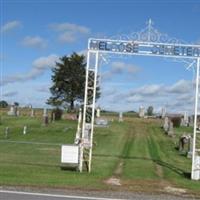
(136, 151)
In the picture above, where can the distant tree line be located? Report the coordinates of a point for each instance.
(3, 104)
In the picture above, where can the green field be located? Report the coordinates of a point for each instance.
(136, 152)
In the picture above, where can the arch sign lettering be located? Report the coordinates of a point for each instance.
(147, 43)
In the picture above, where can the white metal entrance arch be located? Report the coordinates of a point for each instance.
(143, 47)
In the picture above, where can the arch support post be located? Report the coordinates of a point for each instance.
(86, 144)
(195, 174)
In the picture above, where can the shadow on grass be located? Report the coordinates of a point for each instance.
(171, 167)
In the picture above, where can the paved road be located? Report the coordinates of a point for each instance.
(15, 195)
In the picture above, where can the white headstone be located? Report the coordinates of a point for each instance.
(190, 152)
(186, 120)
(53, 117)
(45, 112)
(12, 111)
(25, 130)
(18, 113)
(191, 120)
(101, 122)
(166, 124)
(163, 113)
(171, 129)
(121, 117)
(182, 122)
(7, 132)
(98, 113)
(141, 111)
(32, 112)
(45, 117)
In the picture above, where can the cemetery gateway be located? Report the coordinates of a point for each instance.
(148, 42)
(142, 48)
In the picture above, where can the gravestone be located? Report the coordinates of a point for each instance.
(45, 117)
(101, 122)
(182, 122)
(121, 117)
(98, 112)
(32, 112)
(7, 130)
(190, 152)
(18, 113)
(24, 130)
(184, 143)
(163, 113)
(12, 111)
(53, 117)
(170, 131)
(191, 121)
(166, 124)
(185, 118)
(141, 111)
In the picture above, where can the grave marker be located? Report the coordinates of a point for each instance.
(53, 117)
(24, 130)
(163, 113)
(101, 122)
(12, 111)
(184, 143)
(166, 124)
(98, 112)
(121, 117)
(189, 154)
(185, 118)
(32, 112)
(141, 111)
(45, 117)
(7, 130)
(18, 113)
(170, 131)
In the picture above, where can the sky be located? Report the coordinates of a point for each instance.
(34, 34)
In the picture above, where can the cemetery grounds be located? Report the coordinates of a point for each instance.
(134, 155)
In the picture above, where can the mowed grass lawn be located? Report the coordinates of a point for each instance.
(136, 151)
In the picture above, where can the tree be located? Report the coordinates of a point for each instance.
(3, 104)
(69, 81)
(16, 104)
(150, 111)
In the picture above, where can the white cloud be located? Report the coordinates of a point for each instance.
(148, 90)
(82, 52)
(119, 68)
(70, 28)
(68, 32)
(39, 66)
(35, 42)
(180, 87)
(43, 63)
(9, 26)
(43, 88)
(10, 94)
(67, 37)
(173, 97)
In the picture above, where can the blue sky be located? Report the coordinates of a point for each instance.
(34, 34)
